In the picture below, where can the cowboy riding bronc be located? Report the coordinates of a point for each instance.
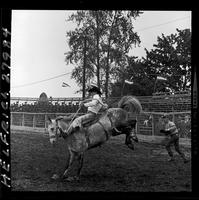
(94, 105)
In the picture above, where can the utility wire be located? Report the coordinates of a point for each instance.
(33, 83)
(149, 27)
(162, 24)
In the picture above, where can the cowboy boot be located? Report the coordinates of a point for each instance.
(185, 159)
(135, 138)
(171, 159)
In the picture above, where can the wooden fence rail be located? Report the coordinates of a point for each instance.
(148, 123)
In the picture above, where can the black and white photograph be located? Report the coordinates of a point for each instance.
(101, 100)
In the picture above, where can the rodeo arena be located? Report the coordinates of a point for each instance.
(111, 165)
(132, 144)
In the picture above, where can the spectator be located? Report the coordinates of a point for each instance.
(172, 132)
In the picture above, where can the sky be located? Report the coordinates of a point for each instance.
(38, 44)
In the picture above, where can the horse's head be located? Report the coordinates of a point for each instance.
(52, 130)
(57, 127)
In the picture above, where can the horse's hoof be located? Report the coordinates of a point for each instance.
(135, 139)
(131, 146)
(76, 178)
(55, 177)
(71, 178)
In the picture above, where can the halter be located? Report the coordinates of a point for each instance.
(56, 134)
(60, 130)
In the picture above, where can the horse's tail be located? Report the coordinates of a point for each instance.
(130, 104)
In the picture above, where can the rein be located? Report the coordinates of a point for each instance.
(73, 118)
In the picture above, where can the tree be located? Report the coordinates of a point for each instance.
(137, 74)
(171, 58)
(119, 38)
(109, 38)
(92, 21)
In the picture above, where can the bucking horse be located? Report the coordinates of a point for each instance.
(112, 122)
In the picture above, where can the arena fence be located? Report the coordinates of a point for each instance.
(148, 123)
(161, 103)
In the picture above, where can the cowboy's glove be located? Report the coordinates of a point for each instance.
(81, 104)
(105, 106)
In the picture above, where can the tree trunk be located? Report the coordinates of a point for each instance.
(98, 56)
(184, 83)
(108, 55)
(84, 72)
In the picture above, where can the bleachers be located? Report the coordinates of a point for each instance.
(177, 103)
(45, 108)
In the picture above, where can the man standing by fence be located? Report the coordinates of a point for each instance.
(172, 132)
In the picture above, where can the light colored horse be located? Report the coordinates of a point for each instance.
(113, 122)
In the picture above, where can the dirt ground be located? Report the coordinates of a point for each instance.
(111, 167)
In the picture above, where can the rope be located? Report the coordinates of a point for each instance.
(73, 118)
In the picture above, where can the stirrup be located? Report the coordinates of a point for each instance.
(186, 160)
(171, 159)
(135, 138)
(117, 131)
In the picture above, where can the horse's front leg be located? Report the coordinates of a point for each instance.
(129, 142)
(72, 157)
(80, 160)
(69, 163)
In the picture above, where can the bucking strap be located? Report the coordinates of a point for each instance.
(87, 137)
(106, 132)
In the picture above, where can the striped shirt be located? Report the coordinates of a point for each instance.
(170, 126)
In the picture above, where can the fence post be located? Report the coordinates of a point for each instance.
(153, 128)
(136, 126)
(45, 121)
(22, 119)
(11, 118)
(34, 120)
(173, 117)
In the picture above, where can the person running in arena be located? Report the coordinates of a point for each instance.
(172, 131)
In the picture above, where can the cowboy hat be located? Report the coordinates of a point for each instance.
(165, 116)
(94, 88)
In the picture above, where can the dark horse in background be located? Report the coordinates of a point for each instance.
(112, 122)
